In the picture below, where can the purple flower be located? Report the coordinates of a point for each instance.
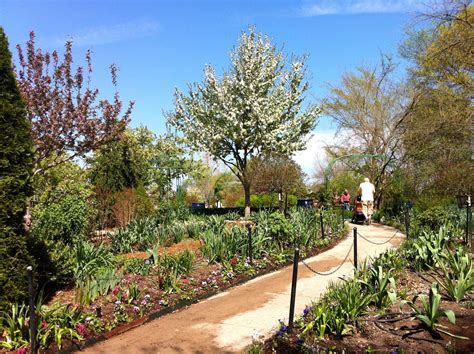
(143, 302)
(306, 310)
(283, 328)
(279, 333)
(136, 309)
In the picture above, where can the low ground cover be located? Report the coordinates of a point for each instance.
(113, 287)
(418, 298)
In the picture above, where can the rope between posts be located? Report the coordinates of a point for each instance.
(333, 271)
(377, 243)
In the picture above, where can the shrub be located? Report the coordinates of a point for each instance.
(16, 163)
(67, 220)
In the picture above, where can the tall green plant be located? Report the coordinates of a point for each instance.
(16, 164)
(430, 312)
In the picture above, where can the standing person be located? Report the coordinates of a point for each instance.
(367, 191)
(346, 200)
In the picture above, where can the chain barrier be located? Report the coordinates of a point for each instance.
(333, 271)
(377, 243)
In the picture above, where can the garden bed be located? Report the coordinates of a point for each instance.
(394, 331)
(419, 298)
(205, 280)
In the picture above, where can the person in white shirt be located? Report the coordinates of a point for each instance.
(367, 191)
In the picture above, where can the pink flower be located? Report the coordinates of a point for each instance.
(44, 324)
(125, 296)
(115, 290)
(22, 350)
(81, 329)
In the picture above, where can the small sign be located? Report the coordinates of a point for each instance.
(305, 203)
(198, 205)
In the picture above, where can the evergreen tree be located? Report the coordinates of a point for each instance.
(16, 158)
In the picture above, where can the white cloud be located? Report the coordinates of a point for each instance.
(111, 33)
(351, 7)
(314, 154)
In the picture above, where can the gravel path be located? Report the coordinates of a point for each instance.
(225, 323)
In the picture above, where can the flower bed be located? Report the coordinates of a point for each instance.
(417, 299)
(180, 275)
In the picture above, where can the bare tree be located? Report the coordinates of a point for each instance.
(369, 107)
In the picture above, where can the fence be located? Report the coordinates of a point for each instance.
(353, 247)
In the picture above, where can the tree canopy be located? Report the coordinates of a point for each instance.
(67, 116)
(16, 163)
(256, 107)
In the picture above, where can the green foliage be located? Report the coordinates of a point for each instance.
(222, 244)
(14, 325)
(91, 259)
(348, 298)
(54, 324)
(266, 200)
(457, 274)
(136, 266)
(178, 264)
(425, 251)
(430, 311)
(136, 236)
(89, 288)
(67, 220)
(433, 218)
(382, 286)
(390, 259)
(16, 164)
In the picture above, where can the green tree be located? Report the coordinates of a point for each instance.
(255, 108)
(438, 135)
(277, 174)
(16, 163)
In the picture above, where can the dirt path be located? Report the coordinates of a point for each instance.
(226, 322)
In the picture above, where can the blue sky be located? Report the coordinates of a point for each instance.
(160, 45)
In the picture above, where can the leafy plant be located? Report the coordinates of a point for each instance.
(425, 251)
(382, 286)
(54, 323)
(136, 236)
(15, 327)
(457, 275)
(349, 299)
(89, 288)
(90, 259)
(429, 313)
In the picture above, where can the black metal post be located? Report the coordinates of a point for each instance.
(355, 247)
(29, 271)
(321, 222)
(250, 243)
(296, 259)
(407, 222)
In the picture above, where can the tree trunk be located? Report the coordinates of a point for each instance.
(247, 198)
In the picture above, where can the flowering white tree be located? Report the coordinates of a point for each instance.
(255, 108)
